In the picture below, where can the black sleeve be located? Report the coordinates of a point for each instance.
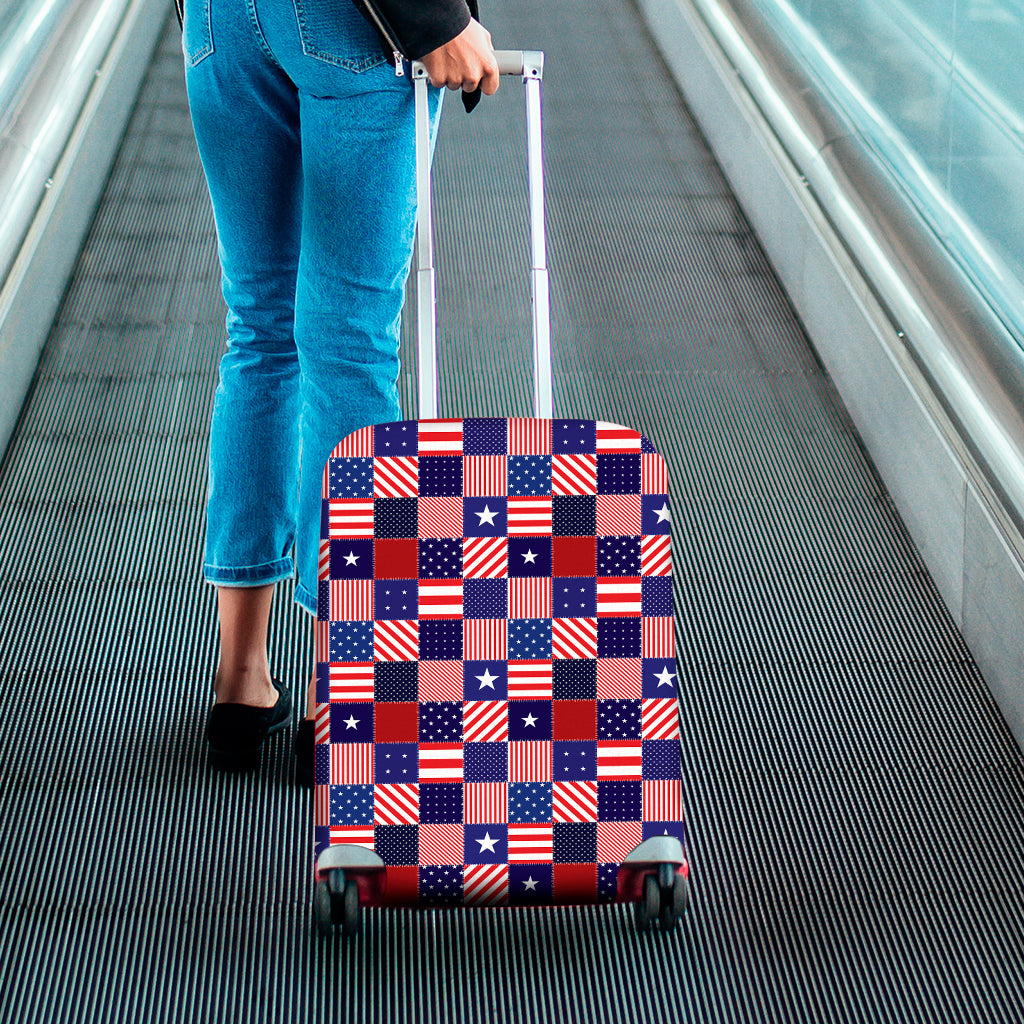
(426, 24)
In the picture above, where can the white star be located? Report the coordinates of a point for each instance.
(530, 556)
(663, 513)
(530, 884)
(351, 558)
(351, 722)
(664, 677)
(487, 680)
(487, 843)
(486, 516)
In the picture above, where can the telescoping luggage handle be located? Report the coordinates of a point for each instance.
(530, 65)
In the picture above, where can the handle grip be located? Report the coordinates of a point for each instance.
(525, 63)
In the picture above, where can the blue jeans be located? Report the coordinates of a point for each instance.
(306, 138)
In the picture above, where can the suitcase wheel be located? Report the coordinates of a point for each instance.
(664, 903)
(336, 901)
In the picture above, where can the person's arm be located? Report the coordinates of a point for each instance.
(465, 62)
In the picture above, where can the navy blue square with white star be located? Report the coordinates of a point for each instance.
(654, 514)
(396, 517)
(529, 802)
(352, 559)
(619, 638)
(529, 639)
(397, 844)
(529, 475)
(573, 597)
(441, 640)
(659, 677)
(573, 515)
(350, 641)
(441, 476)
(531, 556)
(530, 884)
(607, 882)
(441, 803)
(575, 842)
(484, 517)
(485, 599)
(484, 436)
(618, 556)
(321, 764)
(529, 720)
(574, 760)
(396, 763)
(574, 437)
(665, 828)
(485, 680)
(441, 886)
(620, 800)
(350, 478)
(661, 759)
(574, 679)
(618, 720)
(352, 723)
(395, 599)
(618, 473)
(440, 558)
(657, 597)
(485, 762)
(486, 844)
(441, 722)
(351, 805)
(323, 600)
(394, 439)
(396, 681)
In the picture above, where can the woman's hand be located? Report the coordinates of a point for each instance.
(467, 61)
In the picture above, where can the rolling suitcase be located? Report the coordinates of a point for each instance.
(497, 720)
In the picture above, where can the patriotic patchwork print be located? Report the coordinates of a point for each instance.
(496, 676)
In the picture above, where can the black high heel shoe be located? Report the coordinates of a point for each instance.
(236, 732)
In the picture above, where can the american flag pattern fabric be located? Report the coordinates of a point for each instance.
(496, 678)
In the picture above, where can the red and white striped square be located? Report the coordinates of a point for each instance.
(396, 477)
(574, 801)
(323, 565)
(350, 600)
(653, 474)
(574, 474)
(620, 679)
(358, 444)
(529, 761)
(660, 719)
(485, 639)
(440, 680)
(616, 840)
(619, 596)
(350, 681)
(322, 641)
(529, 680)
(663, 800)
(656, 555)
(529, 597)
(440, 762)
(351, 835)
(440, 517)
(618, 515)
(531, 844)
(349, 517)
(574, 638)
(485, 885)
(485, 721)
(396, 640)
(485, 558)
(322, 806)
(440, 599)
(613, 438)
(619, 759)
(486, 803)
(351, 764)
(529, 517)
(657, 638)
(442, 844)
(484, 476)
(439, 437)
(396, 805)
(529, 437)
(322, 724)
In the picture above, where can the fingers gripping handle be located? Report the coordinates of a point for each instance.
(529, 64)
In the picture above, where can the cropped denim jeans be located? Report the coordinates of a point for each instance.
(306, 137)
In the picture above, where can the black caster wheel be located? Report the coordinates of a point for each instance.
(681, 895)
(674, 901)
(322, 909)
(351, 918)
(649, 903)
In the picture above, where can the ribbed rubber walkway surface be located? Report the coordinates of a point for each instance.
(856, 804)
